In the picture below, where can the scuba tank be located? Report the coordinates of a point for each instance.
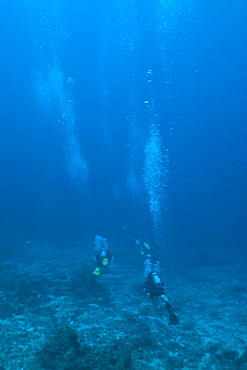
(156, 280)
(103, 254)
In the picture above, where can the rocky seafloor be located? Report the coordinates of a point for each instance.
(53, 316)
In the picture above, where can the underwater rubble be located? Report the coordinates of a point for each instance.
(55, 316)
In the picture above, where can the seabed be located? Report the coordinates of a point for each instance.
(53, 316)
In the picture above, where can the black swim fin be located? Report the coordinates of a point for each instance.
(173, 319)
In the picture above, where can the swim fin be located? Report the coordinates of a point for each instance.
(173, 319)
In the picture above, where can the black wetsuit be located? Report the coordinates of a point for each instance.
(151, 288)
(136, 246)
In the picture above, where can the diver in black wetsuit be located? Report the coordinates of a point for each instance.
(155, 288)
(141, 247)
(103, 258)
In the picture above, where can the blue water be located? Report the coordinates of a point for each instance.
(125, 119)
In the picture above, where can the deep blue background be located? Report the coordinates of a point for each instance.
(202, 55)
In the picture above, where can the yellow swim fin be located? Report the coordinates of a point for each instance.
(146, 245)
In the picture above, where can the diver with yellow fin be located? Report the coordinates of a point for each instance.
(103, 256)
(141, 247)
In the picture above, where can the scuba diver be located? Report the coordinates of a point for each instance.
(136, 245)
(155, 289)
(103, 256)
